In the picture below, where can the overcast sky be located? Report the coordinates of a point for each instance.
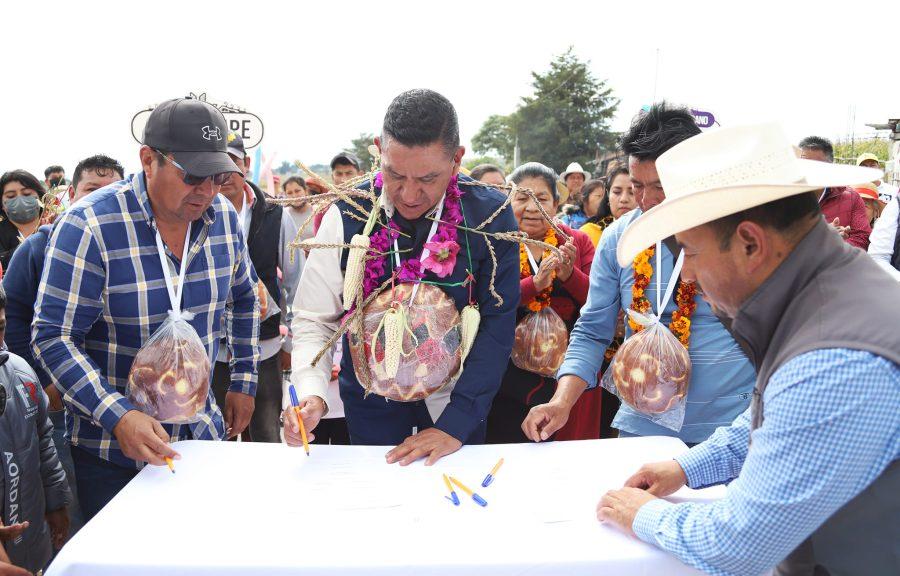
(320, 72)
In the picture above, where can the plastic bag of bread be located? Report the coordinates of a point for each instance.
(541, 342)
(262, 293)
(651, 372)
(169, 378)
(430, 355)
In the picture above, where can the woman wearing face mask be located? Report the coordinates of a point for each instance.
(20, 211)
(559, 282)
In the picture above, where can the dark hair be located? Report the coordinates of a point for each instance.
(782, 215)
(23, 177)
(421, 117)
(296, 180)
(820, 144)
(479, 171)
(656, 130)
(2, 297)
(604, 209)
(51, 169)
(537, 170)
(102, 165)
(615, 171)
(344, 162)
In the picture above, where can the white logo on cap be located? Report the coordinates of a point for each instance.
(210, 133)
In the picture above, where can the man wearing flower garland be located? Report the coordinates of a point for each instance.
(722, 377)
(420, 239)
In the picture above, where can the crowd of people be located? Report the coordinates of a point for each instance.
(89, 270)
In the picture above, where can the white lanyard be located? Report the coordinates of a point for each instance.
(673, 279)
(174, 296)
(531, 260)
(242, 219)
(425, 251)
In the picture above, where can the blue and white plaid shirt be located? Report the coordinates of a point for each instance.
(103, 294)
(831, 428)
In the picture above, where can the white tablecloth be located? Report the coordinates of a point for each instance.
(244, 508)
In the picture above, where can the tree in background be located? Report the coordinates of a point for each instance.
(497, 135)
(470, 162)
(286, 168)
(360, 147)
(565, 120)
(847, 150)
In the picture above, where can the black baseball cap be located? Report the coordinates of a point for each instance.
(194, 132)
(346, 158)
(236, 145)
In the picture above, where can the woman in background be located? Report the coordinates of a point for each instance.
(560, 282)
(596, 207)
(20, 210)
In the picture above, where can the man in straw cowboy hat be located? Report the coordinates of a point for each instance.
(574, 177)
(812, 465)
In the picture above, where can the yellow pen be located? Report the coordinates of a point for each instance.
(170, 464)
(490, 477)
(478, 499)
(453, 497)
(296, 404)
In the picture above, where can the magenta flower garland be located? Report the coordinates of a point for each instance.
(443, 245)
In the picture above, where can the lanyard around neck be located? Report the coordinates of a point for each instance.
(661, 303)
(532, 261)
(174, 294)
(242, 218)
(425, 251)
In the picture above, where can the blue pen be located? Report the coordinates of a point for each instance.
(490, 477)
(453, 497)
(478, 499)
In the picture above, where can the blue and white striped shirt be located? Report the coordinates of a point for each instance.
(831, 427)
(103, 294)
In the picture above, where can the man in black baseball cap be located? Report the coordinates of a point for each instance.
(116, 255)
(345, 166)
(194, 132)
(185, 159)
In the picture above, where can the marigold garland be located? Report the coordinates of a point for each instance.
(684, 299)
(542, 300)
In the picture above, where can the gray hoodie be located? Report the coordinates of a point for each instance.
(33, 480)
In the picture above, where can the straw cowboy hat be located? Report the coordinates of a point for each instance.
(573, 168)
(719, 173)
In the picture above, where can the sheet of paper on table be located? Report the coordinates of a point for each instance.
(266, 508)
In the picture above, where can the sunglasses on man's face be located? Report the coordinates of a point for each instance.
(217, 179)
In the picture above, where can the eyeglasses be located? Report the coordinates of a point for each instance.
(217, 179)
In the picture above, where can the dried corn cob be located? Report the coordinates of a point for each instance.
(353, 275)
(393, 341)
(469, 320)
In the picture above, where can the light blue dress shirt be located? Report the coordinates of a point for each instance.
(831, 427)
(722, 378)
